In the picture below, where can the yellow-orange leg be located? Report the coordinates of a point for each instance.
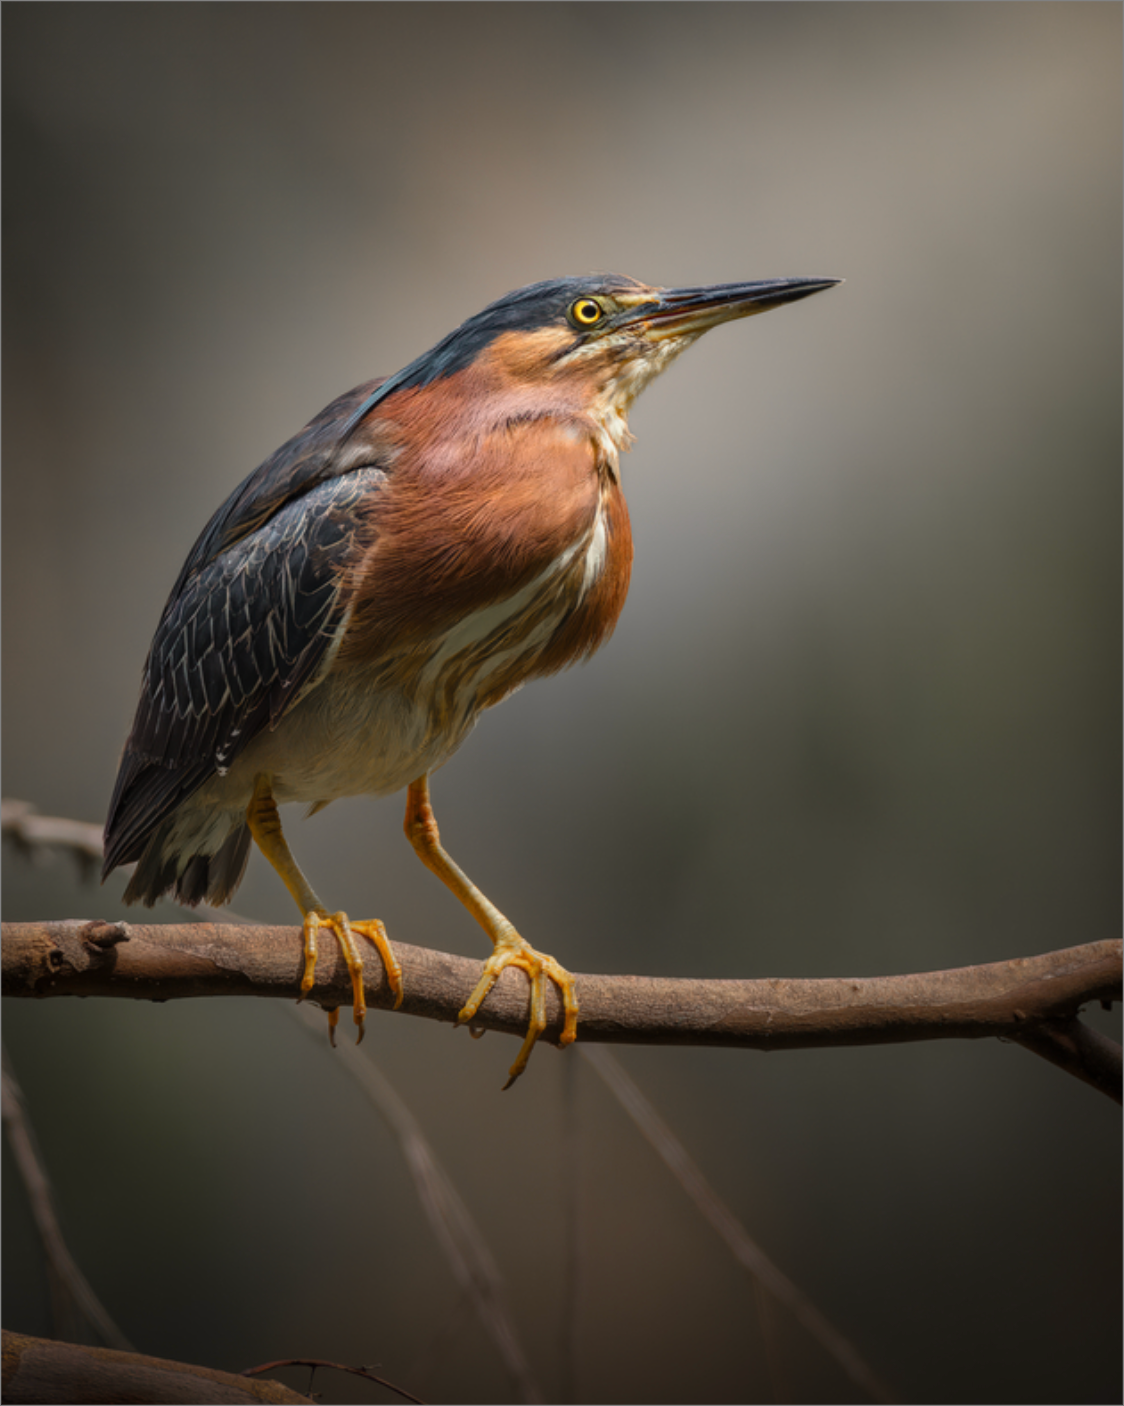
(265, 826)
(508, 948)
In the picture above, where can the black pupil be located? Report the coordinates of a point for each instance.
(587, 311)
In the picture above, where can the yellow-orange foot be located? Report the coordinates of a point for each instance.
(511, 950)
(343, 930)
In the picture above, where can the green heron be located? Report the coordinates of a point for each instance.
(423, 547)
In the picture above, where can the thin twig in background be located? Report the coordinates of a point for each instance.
(22, 826)
(317, 1364)
(744, 1249)
(572, 1221)
(459, 1238)
(465, 1248)
(69, 1286)
(774, 1361)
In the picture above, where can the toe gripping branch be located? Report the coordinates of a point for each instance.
(509, 949)
(343, 930)
(265, 825)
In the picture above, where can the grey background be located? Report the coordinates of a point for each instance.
(860, 715)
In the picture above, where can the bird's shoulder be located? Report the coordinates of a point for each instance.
(329, 446)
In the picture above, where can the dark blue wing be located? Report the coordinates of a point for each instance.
(246, 627)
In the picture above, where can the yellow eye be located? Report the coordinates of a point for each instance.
(585, 312)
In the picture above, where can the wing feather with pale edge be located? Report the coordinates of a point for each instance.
(247, 624)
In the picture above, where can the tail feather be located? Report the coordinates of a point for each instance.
(191, 879)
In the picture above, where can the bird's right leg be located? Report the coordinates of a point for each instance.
(265, 825)
(508, 949)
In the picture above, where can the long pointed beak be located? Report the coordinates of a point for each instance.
(678, 312)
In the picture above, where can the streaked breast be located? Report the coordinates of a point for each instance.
(562, 615)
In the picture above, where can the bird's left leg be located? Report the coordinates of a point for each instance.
(509, 949)
(265, 825)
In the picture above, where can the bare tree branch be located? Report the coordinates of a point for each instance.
(36, 1369)
(22, 826)
(1031, 1000)
(1077, 1049)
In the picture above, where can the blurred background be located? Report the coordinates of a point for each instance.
(861, 714)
